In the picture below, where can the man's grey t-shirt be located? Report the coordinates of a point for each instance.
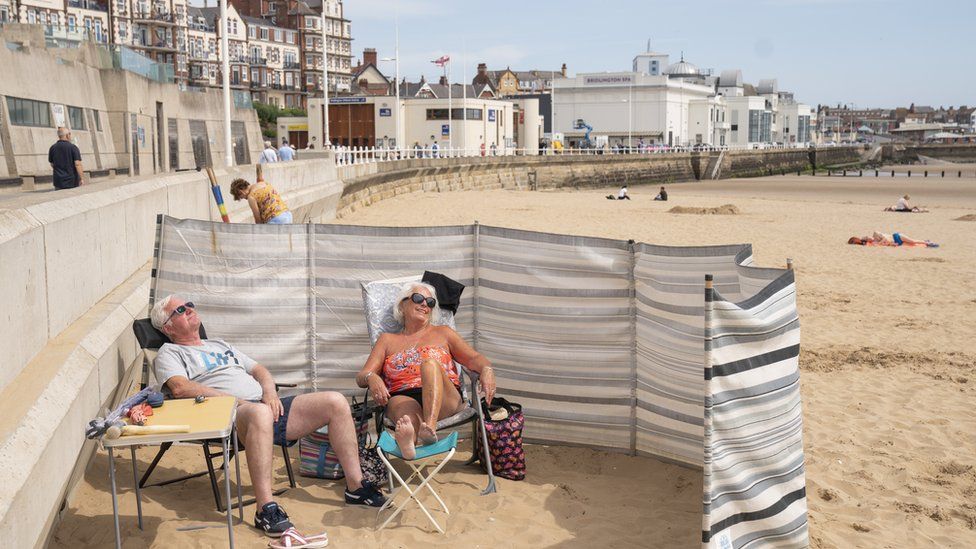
(214, 364)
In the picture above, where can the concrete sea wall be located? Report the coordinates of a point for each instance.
(909, 154)
(74, 269)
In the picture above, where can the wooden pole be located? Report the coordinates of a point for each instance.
(218, 196)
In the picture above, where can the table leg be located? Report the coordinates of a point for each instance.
(225, 442)
(135, 480)
(115, 503)
(237, 465)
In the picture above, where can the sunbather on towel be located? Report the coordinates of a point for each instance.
(413, 373)
(191, 367)
(896, 239)
(905, 206)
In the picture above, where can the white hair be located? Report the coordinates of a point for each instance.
(158, 314)
(406, 291)
(63, 132)
(267, 144)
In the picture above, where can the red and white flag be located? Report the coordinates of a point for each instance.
(441, 61)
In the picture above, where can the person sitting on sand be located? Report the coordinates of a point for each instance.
(622, 193)
(903, 205)
(266, 204)
(662, 195)
(884, 239)
(190, 367)
(413, 373)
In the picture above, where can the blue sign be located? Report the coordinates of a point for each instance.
(386, 112)
(445, 129)
(491, 115)
(339, 100)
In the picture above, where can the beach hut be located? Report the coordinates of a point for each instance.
(610, 344)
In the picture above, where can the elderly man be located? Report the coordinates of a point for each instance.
(65, 159)
(190, 367)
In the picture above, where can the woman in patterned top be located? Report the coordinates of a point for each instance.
(266, 204)
(413, 373)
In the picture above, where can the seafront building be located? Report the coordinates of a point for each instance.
(677, 104)
(275, 51)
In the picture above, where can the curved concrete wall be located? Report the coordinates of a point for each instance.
(74, 269)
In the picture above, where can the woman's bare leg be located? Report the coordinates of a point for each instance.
(405, 413)
(440, 398)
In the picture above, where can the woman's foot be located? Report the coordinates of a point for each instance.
(404, 436)
(427, 435)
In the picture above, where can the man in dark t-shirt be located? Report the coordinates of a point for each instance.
(65, 159)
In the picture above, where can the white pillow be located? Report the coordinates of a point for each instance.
(379, 298)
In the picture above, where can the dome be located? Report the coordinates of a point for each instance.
(682, 69)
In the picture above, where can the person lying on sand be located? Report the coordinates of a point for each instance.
(190, 367)
(896, 239)
(905, 206)
(413, 373)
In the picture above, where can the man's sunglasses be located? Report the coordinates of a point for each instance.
(421, 298)
(182, 309)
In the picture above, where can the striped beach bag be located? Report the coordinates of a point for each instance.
(318, 458)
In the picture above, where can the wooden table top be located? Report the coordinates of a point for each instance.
(212, 418)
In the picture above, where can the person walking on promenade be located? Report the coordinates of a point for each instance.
(65, 159)
(268, 155)
(286, 153)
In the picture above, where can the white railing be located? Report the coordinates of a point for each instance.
(361, 155)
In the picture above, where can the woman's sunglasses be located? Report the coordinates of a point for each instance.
(421, 298)
(182, 309)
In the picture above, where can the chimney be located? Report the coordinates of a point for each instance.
(369, 56)
(482, 69)
(363, 84)
(443, 80)
(563, 70)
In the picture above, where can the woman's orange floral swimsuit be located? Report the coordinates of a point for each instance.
(401, 371)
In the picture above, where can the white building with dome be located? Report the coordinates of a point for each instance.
(677, 104)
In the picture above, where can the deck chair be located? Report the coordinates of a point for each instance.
(150, 340)
(379, 298)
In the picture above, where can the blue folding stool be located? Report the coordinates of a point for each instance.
(426, 456)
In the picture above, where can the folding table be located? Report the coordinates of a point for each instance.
(211, 419)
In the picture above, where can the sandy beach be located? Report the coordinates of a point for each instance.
(888, 384)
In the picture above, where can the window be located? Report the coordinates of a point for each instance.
(309, 42)
(735, 127)
(252, 32)
(98, 120)
(456, 114)
(277, 35)
(76, 117)
(25, 112)
(264, 33)
(73, 23)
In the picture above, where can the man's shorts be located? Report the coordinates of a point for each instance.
(281, 424)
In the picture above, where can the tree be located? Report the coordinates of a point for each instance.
(268, 117)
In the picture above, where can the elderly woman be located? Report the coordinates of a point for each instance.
(265, 202)
(413, 373)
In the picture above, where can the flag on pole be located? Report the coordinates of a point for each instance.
(442, 60)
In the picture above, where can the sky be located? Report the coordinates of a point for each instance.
(869, 53)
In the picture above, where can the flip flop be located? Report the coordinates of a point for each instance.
(291, 539)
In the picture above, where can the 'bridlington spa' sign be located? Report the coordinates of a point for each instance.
(608, 79)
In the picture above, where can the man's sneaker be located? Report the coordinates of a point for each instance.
(272, 519)
(366, 495)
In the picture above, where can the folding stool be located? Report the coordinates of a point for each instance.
(426, 457)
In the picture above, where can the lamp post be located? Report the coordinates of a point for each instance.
(630, 114)
(552, 110)
(325, 81)
(396, 85)
(225, 83)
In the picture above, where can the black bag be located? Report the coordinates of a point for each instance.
(372, 466)
(503, 426)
